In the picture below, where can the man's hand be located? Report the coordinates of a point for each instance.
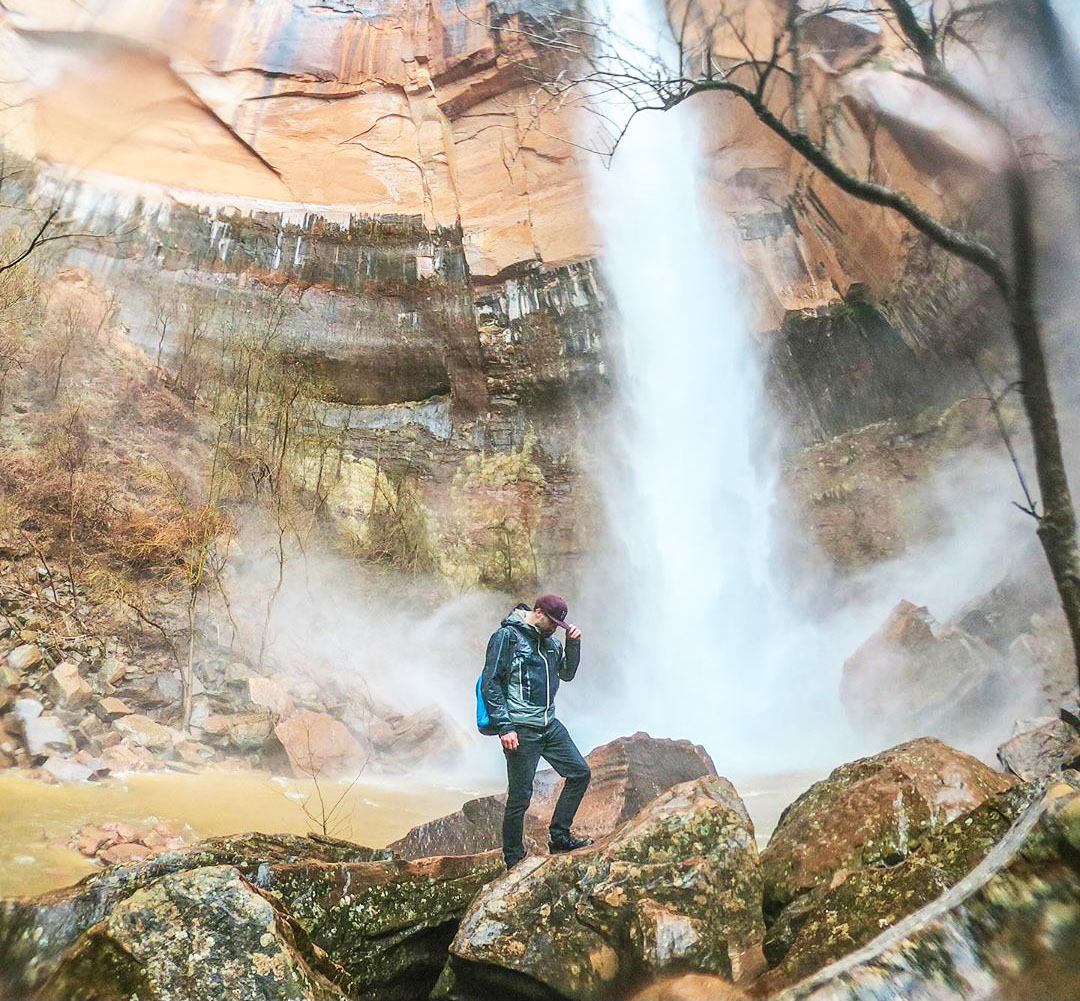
(510, 741)
(572, 632)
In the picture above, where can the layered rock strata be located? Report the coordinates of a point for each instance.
(400, 156)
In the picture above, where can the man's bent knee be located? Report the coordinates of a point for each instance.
(518, 803)
(581, 777)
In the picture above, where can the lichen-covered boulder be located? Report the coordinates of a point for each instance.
(833, 920)
(1009, 929)
(871, 812)
(387, 924)
(677, 887)
(627, 773)
(36, 931)
(201, 935)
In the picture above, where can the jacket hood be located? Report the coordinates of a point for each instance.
(515, 619)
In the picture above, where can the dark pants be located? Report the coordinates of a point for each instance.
(553, 744)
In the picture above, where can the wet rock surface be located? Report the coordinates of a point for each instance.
(384, 923)
(627, 773)
(678, 886)
(1041, 748)
(202, 934)
(832, 920)
(873, 811)
(1009, 929)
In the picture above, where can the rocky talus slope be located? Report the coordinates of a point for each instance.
(918, 871)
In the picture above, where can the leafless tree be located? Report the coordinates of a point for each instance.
(707, 47)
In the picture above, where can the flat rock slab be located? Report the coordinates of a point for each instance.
(679, 886)
(379, 925)
(388, 925)
(1010, 929)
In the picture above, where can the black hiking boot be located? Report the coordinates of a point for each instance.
(567, 843)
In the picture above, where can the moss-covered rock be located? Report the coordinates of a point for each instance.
(678, 886)
(871, 812)
(387, 924)
(829, 922)
(201, 935)
(1008, 929)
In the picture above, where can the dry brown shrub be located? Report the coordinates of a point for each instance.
(163, 540)
(42, 491)
(148, 404)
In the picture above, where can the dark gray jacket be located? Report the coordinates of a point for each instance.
(522, 672)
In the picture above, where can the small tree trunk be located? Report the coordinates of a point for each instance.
(187, 670)
(1057, 521)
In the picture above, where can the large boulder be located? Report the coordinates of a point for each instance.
(199, 935)
(917, 676)
(386, 924)
(678, 887)
(835, 919)
(1009, 929)
(424, 734)
(320, 746)
(382, 925)
(870, 812)
(627, 773)
(35, 932)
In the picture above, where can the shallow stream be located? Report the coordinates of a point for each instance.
(35, 817)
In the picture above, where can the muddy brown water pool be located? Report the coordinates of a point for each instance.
(33, 816)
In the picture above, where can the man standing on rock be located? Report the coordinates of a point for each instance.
(524, 666)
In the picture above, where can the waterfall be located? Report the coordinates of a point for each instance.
(701, 639)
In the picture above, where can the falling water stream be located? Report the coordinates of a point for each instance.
(707, 645)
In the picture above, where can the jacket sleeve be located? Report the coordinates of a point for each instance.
(568, 662)
(496, 669)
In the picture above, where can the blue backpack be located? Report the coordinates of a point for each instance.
(483, 718)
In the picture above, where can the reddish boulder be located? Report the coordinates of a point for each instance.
(123, 853)
(627, 773)
(319, 745)
(872, 811)
(915, 676)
